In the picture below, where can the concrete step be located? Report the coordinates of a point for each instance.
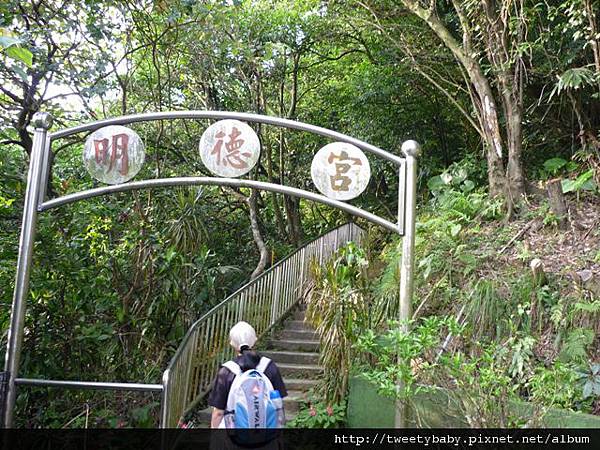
(282, 357)
(294, 345)
(299, 325)
(299, 335)
(310, 371)
(299, 384)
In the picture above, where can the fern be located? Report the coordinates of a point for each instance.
(576, 344)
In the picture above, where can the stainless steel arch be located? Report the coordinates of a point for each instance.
(233, 182)
(270, 120)
(37, 178)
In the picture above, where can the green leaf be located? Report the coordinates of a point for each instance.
(571, 166)
(468, 186)
(575, 78)
(446, 178)
(8, 41)
(582, 182)
(459, 175)
(588, 388)
(588, 185)
(553, 165)
(22, 74)
(20, 54)
(455, 229)
(596, 387)
(435, 183)
(576, 344)
(567, 186)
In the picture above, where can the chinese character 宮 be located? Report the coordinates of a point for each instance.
(111, 154)
(233, 155)
(340, 181)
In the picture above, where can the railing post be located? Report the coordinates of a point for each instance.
(164, 400)
(319, 252)
(276, 296)
(42, 122)
(302, 258)
(411, 150)
(335, 241)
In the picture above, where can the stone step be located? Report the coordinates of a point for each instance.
(291, 405)
(299, 335)
(298, 325)
(299, 384)
(310, 371)
(203, 416)
(294, 345)
(291, 415)
(281, 357)
(299, 315)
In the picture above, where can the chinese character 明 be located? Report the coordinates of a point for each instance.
(339, 181)
(118, 151)
(233, 157)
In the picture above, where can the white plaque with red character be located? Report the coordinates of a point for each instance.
(113, 154)
(340, 171)
(229, 148)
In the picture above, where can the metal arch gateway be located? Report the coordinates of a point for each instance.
(36, 192)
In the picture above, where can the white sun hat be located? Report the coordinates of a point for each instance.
(242, 334)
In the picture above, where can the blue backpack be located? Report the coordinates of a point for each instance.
(249, 405)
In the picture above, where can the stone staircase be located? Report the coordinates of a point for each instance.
(295, 350)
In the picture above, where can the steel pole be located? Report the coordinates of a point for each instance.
(407, 198)
(42, 122)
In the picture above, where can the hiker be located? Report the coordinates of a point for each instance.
(242, 338)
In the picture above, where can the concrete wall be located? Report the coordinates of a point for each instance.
(367, 409)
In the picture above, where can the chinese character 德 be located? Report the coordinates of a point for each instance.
(233, 157)
(339, 181)
(118, 151)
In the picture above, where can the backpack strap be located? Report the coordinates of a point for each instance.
(233, 367)
(263, 364)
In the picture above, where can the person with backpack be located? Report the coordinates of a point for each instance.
(248, 392)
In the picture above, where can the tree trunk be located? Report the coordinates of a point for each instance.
(557, 202)
(514, 135)
(292, 209)
(486, 104)
(514, 169)
(490, 124)
(537, 272)
(593, 33)
(256, 234)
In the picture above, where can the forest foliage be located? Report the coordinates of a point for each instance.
(502, 96)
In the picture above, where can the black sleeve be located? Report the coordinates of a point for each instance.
(273, 374)
(220, 391)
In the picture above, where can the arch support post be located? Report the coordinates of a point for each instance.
(407, 199)
(35, 188)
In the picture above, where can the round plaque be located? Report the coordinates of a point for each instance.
(229, 148)
(113, 154)
(340, 171)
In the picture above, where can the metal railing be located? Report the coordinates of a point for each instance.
(262, 303)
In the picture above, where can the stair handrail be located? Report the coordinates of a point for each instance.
(262, 302)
